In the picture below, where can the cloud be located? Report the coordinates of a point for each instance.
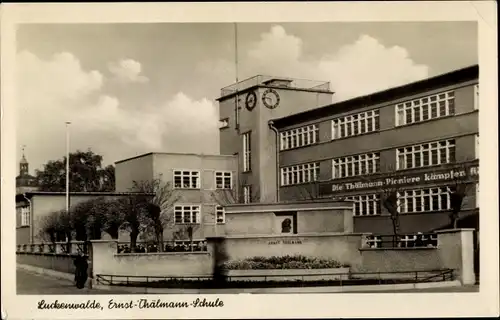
(127, 70)
(361, 67)
(59, 89)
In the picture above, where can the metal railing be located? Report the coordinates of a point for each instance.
(422, 240)
(263, 79)
(53, 248)
(168, 246)
(332, 279)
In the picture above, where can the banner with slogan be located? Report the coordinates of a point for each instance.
(466, 173)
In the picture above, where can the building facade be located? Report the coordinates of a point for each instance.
(419, 140)
(202, 185)
(245, 110)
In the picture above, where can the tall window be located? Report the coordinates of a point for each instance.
(299, 137)
(247, 151)
(423, 109)
(355, 124)
(187, 214)
(184, 179)
(220, 215)
(477, 195)
(25, 216)
(476, 97)
(427, 154)
(356, 165)
(301, 173)
(223, 180)
(424, 200)
(247, 194)
(476, 148)
(366, 205)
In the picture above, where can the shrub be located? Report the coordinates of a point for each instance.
(283, 262)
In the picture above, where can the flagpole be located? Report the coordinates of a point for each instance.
(236, 98)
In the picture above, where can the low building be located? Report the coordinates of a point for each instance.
(202, 184)
(33, 207)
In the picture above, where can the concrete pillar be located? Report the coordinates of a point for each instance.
(348, 221)
(456, 251)
(101, 253)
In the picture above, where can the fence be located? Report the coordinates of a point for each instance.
(300, 279)
(54, 248)
(419, 240)
(168, 246)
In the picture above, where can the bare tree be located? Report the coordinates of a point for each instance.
(156, 200)
(235, 194)
(459, 190)
(186, 232)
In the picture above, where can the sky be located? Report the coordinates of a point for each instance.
(134, 88)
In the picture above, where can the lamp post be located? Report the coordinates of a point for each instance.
(67, 170)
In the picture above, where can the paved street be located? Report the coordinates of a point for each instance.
(32, 283)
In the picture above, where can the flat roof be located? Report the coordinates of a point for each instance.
(456, 76)
(30, 194)
(175, 154)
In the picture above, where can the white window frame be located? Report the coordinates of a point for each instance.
(190, 209)
(299, 137)
(421, 151)
(247, 151)
(476, 97)
(189, 174)
(224, 123)
(477, 195)
(365, 205)
(247, 194)
(419, 197)
(220, 212)
(374, 241)
(362, 163)
(223, 175)
(25, 216)
(476, 146)
(443, 103)
(302, 173)
(356, 124)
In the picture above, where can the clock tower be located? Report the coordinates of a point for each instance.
(246, 109)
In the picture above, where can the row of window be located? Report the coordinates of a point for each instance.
(411, 157)
(299, 137)
(190, 214)
(409, 201)
(409, 112)
(190, 179)
(301, 173)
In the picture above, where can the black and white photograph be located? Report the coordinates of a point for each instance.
(170, 165)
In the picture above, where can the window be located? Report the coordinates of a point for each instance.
(427, 154)
(477, 195)
(355, 124)
(424, 200)
(355, 165)
(423, 109)
(373, 241)
(301, 173)
(476, 150)
(25, 216)
(224, 123)
(186, 179)
(223, 180)
(220, 215)
(247, 152)
(476, 97)
(247, 194)
(187, 214)
(366, 205)
(299, 137)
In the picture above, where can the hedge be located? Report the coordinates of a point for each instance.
(283, 262)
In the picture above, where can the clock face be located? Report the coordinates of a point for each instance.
(271, 98)
(250, 101)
